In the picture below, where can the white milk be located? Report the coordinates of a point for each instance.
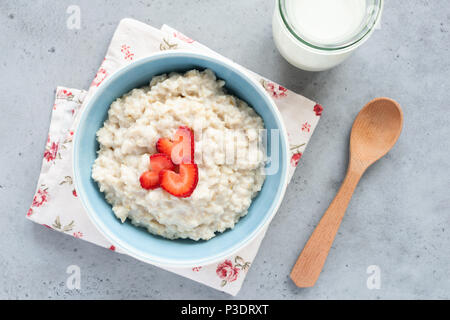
(315, 35)
(326, 21)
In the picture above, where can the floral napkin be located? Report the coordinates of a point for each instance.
(55, 204)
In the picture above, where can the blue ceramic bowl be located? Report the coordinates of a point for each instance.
(137, 241)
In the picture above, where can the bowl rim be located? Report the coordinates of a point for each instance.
(152, 259)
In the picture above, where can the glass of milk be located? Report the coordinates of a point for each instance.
(316, 35)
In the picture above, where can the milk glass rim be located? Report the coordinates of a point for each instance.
(364, 33)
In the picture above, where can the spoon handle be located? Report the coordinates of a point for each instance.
(310, 262)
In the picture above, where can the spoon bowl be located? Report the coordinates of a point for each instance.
(375, 131)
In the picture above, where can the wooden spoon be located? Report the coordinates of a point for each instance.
(374, 132)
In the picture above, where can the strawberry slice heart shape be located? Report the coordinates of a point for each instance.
(182, 183)
(180, 149)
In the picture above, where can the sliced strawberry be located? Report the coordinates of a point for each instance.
(165, 145)
(180, 184)
(186, 136)
(150, 179)
(181, 148)
(160, 161)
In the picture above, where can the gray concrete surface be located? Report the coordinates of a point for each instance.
(398, 219)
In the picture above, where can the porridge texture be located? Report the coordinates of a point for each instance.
(223, 125)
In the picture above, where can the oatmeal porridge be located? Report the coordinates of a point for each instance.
(205, 192)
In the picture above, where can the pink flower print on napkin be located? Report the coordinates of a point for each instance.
(318, 110)
(69, 137)
(127, 54)
(306, 127)
(51, 151)
(182, 37)
(78, 234)
(275, 90)
(196, 269)
(295, 159)
(30, 212)
(112, 248)
(296, 154)
(227, 272)
(99, 77)
(40, 198)
(64, 94)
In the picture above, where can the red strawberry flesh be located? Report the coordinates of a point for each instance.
(150, 179)
(180, 184)
(165, 145)
(181, 148)
(160, 161)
